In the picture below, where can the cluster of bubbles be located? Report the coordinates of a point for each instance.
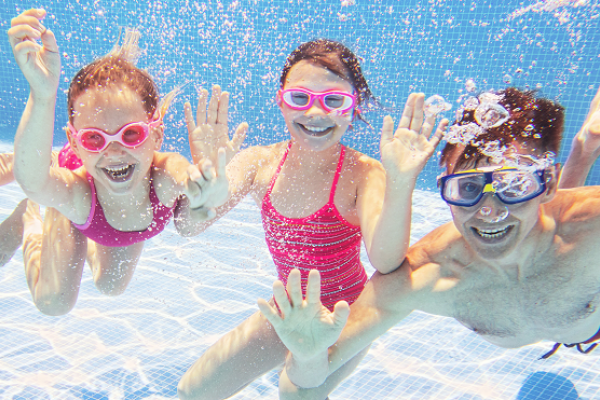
(435, 105)
(489, 113)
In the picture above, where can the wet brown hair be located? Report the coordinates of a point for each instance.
(545, 116)
(338, 59)
(116, 68)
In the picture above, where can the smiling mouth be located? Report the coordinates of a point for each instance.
(121, 173)
(492, 235)
(316, 131)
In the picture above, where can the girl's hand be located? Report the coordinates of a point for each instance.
(40, 63)
(305, 326)
(209, 132)
(207, 187)
(407, 150)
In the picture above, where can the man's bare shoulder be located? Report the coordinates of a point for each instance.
(575, 210)
(442, 244)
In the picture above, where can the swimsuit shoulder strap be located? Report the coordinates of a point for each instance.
(338, 172)
(276, 174)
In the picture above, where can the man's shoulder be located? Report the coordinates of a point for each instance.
(437, 246)
(577, 206)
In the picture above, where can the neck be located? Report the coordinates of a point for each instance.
(312, 160)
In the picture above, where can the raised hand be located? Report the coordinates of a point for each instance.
(305, 326)
(408, 149)
(40, 63)
(589, 135)
(209, 132)
(207, 187)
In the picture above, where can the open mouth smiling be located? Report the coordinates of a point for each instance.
(316, 131)
(119, 173)
(493, 235)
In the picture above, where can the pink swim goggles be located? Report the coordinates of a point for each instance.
(303, 99)
(131, 135)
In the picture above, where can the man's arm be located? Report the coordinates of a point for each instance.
(585, 149)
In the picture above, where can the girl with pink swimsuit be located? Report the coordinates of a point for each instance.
(113, 189)
(318, 199)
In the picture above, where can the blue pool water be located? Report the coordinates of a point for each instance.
(187, 292)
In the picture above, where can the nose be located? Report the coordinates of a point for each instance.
(114, 148)
(316, 109)
(492, 210)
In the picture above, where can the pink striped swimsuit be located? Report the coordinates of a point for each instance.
(324, 241)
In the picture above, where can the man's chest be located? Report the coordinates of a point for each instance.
(559, 305)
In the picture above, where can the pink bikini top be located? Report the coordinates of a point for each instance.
(324, 241)
(97, 227)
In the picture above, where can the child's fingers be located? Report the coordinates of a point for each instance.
(189, 117)
(387, 131)
(30, 18)
(294, 288)
(208, 171)
(49, 41)
(439, 133)
(281, 298)
(221, 162)
(201, 111)
(20, 33)
(428, 125)
(213, 105)
(416, 122)
(223, 111)
(239, 136)
(341, 311)
(313, 288)
(24, 48)
(407, 113)
(269, 312)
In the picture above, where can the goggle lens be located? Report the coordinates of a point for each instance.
(304, 99)
(511, 186)
(91, 140)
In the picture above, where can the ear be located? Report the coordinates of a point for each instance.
(278, 99)
(157, 135)
(552, 175)
(72, 142)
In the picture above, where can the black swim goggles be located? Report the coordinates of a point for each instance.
(509, 184)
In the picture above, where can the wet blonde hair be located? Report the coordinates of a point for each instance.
(118, 68)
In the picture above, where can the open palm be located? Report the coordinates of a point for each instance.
(305, 326)
(408, 149)
(209, 132)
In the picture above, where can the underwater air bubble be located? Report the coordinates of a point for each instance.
(490, 115)
(507, 79)
(436, 104)
(471, 103)
(462, 134)
(470, 85)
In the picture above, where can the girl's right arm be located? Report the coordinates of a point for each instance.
(33, 141)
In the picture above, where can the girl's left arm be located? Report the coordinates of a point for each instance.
(197, 189)
(385, 193)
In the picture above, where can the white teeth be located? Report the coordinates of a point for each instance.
(117, 169)
(491, 233)
(316, 129)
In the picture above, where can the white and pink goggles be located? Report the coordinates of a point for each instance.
(303, 99)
